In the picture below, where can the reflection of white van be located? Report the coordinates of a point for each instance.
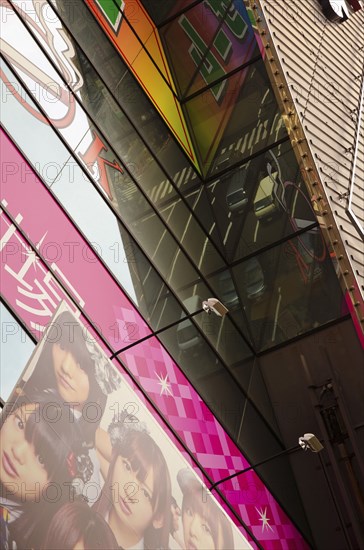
(188, 336)
(266, 204)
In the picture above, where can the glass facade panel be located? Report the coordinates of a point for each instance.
(138, 212)
(158, 305)
(289, 289)
(206, 43)
(130, 26)
(187, 41)
(260, 202)
(225, 288)
(85, 205)
(188, 231)
(252, 380)
(122, 85)
(140, 220)
(247, 121)
(160, 11)
(202, 208)
(222, 333)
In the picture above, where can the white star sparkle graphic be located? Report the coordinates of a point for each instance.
(33, 257)
(263, 518)
(164, 384)
(31, 254)
(41, 241)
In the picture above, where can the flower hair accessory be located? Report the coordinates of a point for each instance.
(122, 424)
(106, 374)
(80, 468)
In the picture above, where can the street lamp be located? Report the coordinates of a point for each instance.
(307, 441)
(211, 305)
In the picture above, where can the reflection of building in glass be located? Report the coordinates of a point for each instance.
(240, 218)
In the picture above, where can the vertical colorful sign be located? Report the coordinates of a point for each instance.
(206, 45)
(140, 47)
(187, 40)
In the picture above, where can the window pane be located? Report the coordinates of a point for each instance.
(206, 43)
(160, 11)
(289, 289)
(260, 202)
(247, 120)
(222, 332)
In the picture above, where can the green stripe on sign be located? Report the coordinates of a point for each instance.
(112, 10)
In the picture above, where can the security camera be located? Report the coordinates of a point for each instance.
(213, 304)
(310, 441)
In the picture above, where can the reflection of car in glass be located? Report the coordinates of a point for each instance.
(266, 204)
(253, 279)
(269, 199)
(228, 293)
(188, 336)
(236, 195)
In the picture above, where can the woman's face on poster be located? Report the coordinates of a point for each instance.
(22, 471)
(72, 381)
(196, 531)
(132, 499)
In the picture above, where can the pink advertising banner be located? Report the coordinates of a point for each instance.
(84, 464)
(34, 294)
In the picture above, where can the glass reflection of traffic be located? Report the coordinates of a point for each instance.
(282, 290)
